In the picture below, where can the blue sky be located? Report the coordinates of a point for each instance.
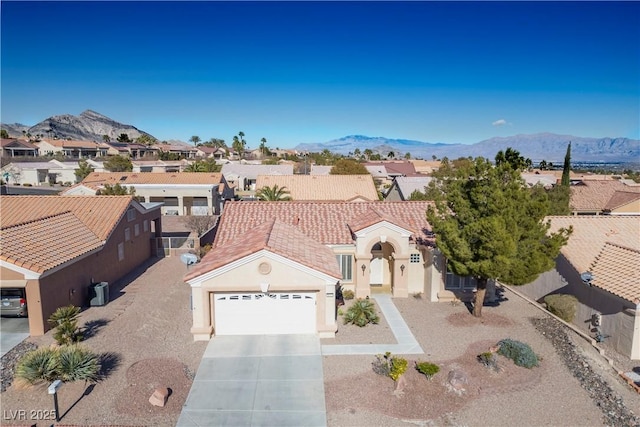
(295, 72)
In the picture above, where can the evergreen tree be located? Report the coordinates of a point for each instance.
(566, 170)
(118, 164)
(348, 167)
(490, 226)
(83, 170)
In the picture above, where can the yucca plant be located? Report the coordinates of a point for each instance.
(37, 366)
(65, 321)
(76, 363)
(361, 313)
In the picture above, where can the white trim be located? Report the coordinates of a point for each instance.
(28, 274)
(383, 224)
(196, 282)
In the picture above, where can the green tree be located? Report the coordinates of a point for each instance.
(239, 144)
(145, 139)
(116, 190)
(195, 140)
(348, 167)
(118, 164)
(123, 138)
(83, 170)
(559, 198)
(273, 194)
(263, 146)
(490, 226)
(513, 158)
(215, 142)
(357, 153)
(418, 195)
(543, 165)
(566, 170)
(207, 165)
(407, 155)
(368, 153)
(4, 134)
(391, 155)
(106, 138)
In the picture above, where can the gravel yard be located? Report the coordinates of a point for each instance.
(143, 334)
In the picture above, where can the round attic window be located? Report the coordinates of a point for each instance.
(264, 268)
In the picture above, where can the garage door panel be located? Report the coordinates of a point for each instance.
(258, 314)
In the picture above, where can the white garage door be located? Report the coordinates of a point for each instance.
(258, 314)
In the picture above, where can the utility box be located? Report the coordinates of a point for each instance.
(99, 294)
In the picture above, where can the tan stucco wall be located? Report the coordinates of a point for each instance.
(633, 207)
(247, 278)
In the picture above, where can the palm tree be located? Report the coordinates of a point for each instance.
(368, 153)
(263, 145)
(195, 139)
(273, 194)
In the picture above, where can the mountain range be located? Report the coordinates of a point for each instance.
(92, 126)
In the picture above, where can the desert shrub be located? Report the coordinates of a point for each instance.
(348, 294)
(489, 360)
(427, 368)
(65, 322)
(37, 366)
(76, 363)
(562, 305)
(67, 363)
(519, 352)
(26, 184)
(361, 313)
(389, 366)
(398, 367)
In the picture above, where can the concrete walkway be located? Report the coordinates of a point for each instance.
(258, 380)
(407, 343)
(12, 332)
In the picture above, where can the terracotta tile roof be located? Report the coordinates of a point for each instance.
(595, 195)
(41, 232)
(616, 270)
(71, 144)
(395, 167)
(277, 237)
(96, 179)
(621, 198)
(591, 233)
(373, 216)
(13, 142)
(324, 222)
(323, 187)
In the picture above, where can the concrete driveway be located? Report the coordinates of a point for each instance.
(258, 380)
(13, 330)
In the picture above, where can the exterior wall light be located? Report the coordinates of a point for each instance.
(402, 267)
(363, 267)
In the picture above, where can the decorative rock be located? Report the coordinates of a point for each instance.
(456, 381)
(159, 397)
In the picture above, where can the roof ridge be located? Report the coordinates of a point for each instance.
(49, 216)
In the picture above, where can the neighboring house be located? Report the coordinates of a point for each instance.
(129, 149)
(403, 186)
(595, 197)
(17, 148)
(184, 193)
(608, 249)
(73, 149)
(182, 150)
(159, 165)
(426, 166)
(207, 152)
(274, 266)
(57, 246)
(244, 176)
(536, 178)
(352, 188)
(40, 173)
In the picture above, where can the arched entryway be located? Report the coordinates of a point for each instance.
(381, 265)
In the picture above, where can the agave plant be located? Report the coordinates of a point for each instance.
(76, 363)
(361, 313)
(37, 366)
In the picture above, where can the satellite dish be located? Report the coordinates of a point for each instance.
(188, 259)
(586, 277)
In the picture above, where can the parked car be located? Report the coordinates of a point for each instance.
(13, 302)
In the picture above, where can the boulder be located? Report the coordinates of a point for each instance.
(159, 397)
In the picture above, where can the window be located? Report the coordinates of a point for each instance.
(453, 281)
(120, 251)
(346, 266)
(127, 234)
(145, 225)
(136, 230)
(131, 215)
(414, 258)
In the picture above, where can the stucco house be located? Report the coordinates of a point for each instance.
(276, 261)
(612, 197)
(184, 193)
(403, 186)
(40, 173)
(12, 147)
(73, 149)
(56, 247)
(352, 188)
(600, 266)
(244, 176)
